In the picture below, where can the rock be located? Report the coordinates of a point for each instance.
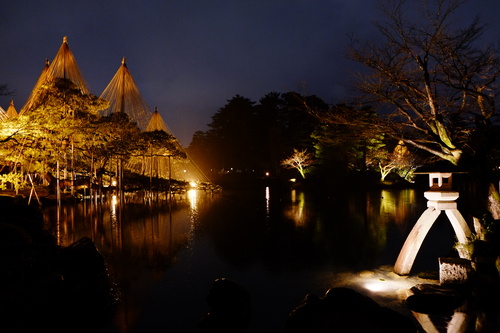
(455, 271)
(435, 299)
(229, 308)
(345, 310)
(46, 287)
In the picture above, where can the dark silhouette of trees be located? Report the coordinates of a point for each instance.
(431, 86)
(200, 148)
(286, 126)
(233, 131)
(252, 139)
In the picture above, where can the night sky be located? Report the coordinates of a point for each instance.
(189, 57)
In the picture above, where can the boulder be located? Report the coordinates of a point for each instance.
(345, 310)
(229, 308)
(435, 299)
(47, 287)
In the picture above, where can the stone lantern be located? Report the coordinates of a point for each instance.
(441, 197)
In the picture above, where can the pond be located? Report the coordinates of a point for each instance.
(277, 244)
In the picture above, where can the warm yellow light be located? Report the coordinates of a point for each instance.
(267, 174)
(268, 197)
(114, 204)
(293, 180)
(383, 285)
(113, 182)
(377, 285)
(192, 196)
(381, 281)
(193, 184)
(114, 200)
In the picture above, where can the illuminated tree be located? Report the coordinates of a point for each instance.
(340, 145)
(433, 85)
(252, 138)
(157, 153)
(55, 129)
(115, 139)
(299, 160)
(400, 159)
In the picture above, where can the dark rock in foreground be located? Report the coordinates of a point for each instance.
(44, 286)
(230, 308)
(345, 310)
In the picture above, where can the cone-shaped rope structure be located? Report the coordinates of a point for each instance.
(63, 66)
(3, 114)
(165, 165)
(35, 92)
(11, 110)
(124, 96)
(156, 123)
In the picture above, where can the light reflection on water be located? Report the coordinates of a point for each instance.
(279, 245)
(297, 209)
(268, 200)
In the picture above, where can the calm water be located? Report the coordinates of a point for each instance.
(279, 245)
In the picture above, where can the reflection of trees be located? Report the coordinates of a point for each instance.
(302, 230)
(139, 242)
(291, 233)
(237, 232)
(143, 235)
(395, 206)
(298, 232)
(297, 209)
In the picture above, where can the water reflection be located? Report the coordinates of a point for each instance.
(268, 198)
(296, 210)
(141, 231)
(192, 196)
(398, 205)
(279, 245)
(140, 242)
(193, 215)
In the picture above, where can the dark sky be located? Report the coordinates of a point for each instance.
(189, 57)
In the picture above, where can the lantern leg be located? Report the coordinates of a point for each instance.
(462, 230)
(414, 241)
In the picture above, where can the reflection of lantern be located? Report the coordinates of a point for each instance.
(441, 197)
